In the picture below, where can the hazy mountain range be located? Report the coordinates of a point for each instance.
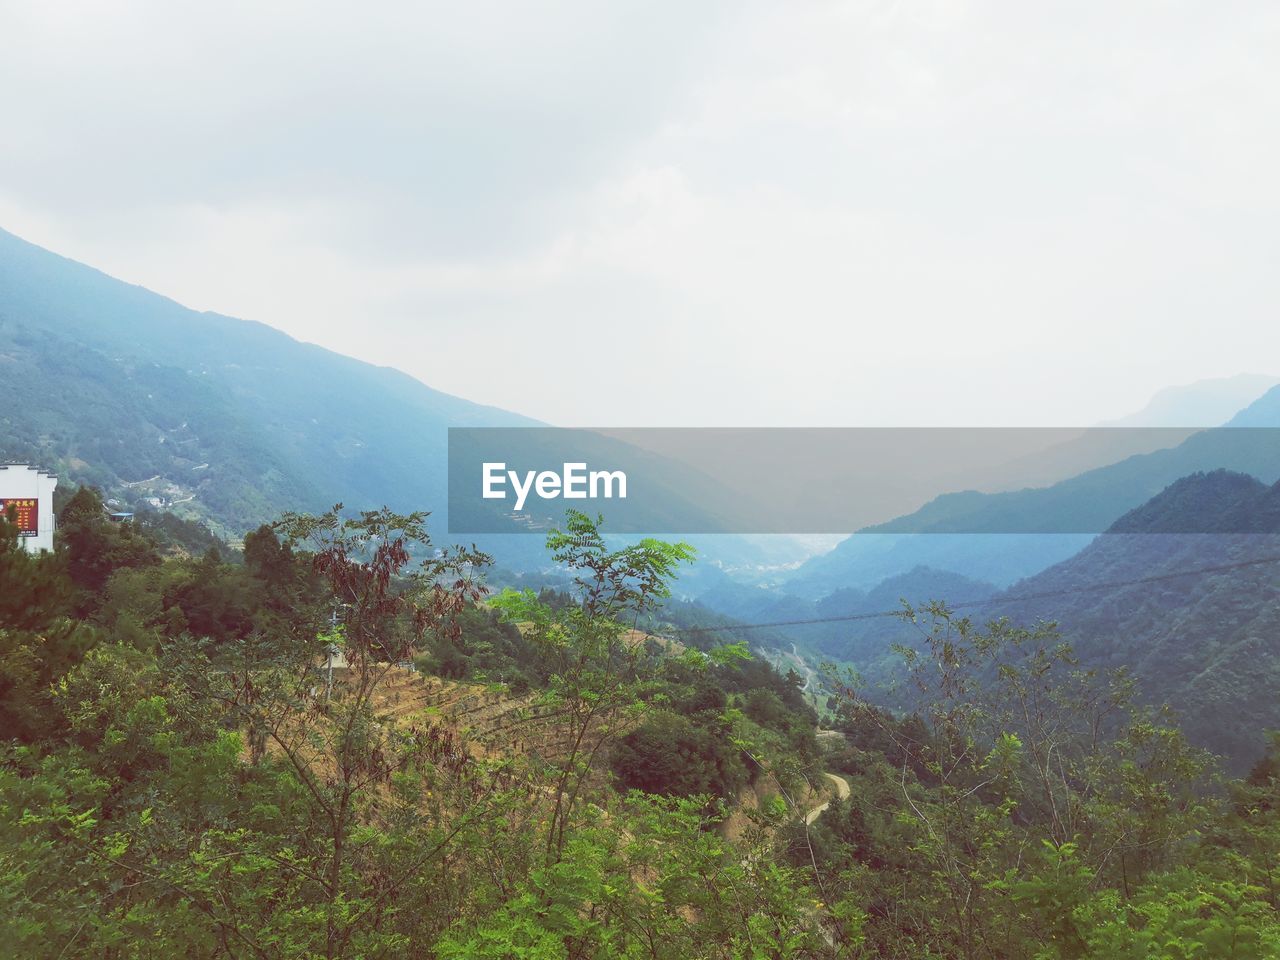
(233, 422)
(1194, 617)
(967, 532)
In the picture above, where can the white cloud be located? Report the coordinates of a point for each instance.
(817, 213)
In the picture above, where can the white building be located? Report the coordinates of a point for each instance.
(29, 491)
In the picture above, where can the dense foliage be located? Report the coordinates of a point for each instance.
(185, 776)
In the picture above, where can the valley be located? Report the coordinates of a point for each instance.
(826, 745)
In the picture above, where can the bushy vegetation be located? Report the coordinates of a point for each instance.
(181, 778)
(1032, 808)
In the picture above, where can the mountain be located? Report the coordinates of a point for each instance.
(860, 627)
(834, 626)
(232, 422)
(868, 642)
(1205, 403)
(1195, 617)
(1207, 643)
(866, 559)
(977, 533)
(1207, 503)
(1170, 416)
(235, 421)
(1263, 412)
(1094, 500)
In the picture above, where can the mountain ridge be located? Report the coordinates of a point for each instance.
(968, 530)
(262, 422)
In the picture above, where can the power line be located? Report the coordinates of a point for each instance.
(1048, 594)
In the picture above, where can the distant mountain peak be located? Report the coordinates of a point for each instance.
(1204, 403)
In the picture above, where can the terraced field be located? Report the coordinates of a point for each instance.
(488, 720)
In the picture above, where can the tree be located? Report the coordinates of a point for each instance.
(38, 642)
(335, 825)
(344, 751)
(95, 548)
(1015, 746)
(670, 754)
(599, 670)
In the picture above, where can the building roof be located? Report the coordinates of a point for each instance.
(27, 466)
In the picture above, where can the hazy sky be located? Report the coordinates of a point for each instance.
(646, 213)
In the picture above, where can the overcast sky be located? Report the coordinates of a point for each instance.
(646, 213)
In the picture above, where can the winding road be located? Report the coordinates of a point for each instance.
(842, 791)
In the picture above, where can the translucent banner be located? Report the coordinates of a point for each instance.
(920, 480)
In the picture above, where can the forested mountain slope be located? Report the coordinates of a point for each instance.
(1208, 643)
(233, 422)
(1195, 617)
(866, 559)
(115, 385)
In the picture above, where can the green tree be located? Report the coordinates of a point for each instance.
(38, 640)
(1016, 746)
(95, 548)
(599, 669)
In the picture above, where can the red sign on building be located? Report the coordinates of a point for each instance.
(28, 514)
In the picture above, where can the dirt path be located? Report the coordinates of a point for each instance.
(842, 791)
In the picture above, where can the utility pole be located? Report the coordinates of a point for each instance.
(332, 650)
